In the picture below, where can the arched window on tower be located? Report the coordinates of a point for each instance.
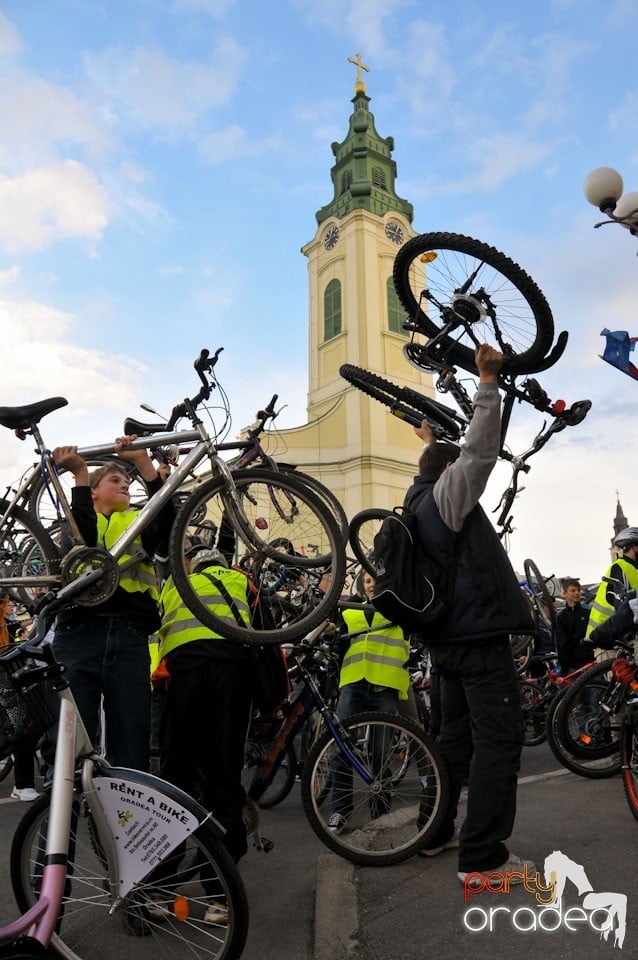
(346, 181)
(396, 312)
(332, 310)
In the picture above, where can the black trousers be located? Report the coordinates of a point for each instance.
(481, 738)
(205, 719)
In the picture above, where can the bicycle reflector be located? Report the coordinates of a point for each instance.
(624, 672)
(428, 257)
(559, 406)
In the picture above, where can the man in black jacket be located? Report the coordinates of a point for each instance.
(482, 727)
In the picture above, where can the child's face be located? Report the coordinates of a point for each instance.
(111, 493)
(368, 585)
(572, 594)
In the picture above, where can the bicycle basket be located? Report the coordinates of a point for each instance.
(23, 707)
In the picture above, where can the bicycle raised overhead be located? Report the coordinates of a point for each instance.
(459, 293)
(272, 520)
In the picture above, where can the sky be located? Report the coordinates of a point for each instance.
(161, 164)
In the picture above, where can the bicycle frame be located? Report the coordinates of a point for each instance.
(204, 447)
(301, 707)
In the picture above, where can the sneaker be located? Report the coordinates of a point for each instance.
(518, 870)
(336, 823)
(434, 851)
(216, 913)
(27, 794)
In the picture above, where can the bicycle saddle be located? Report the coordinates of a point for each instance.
(21, 418)
(132, 426)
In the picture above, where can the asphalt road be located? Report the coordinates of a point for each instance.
(308, 904)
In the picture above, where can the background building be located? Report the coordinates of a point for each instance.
(352, 443)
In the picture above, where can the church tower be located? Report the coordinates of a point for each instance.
(620, 523)
(352, 443)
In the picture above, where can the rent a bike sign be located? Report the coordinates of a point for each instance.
(550, 908)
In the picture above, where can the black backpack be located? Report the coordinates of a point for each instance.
(412, 588)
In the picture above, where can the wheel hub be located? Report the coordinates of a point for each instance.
(468, 309)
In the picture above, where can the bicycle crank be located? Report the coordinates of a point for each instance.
(81, 559)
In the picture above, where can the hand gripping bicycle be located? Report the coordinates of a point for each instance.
(271, 520)
(110, 861)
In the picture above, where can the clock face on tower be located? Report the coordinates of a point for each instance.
(393, 232)
(331, 238)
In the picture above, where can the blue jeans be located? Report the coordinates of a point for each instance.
(360, 697)
(109, 658)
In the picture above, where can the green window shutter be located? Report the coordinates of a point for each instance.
(396, 312)
(332, 310)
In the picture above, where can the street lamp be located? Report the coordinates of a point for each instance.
(604, 189)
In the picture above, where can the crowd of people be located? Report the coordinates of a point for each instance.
(202, 677)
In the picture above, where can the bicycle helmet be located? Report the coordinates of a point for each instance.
(627, 538)
(207, 558)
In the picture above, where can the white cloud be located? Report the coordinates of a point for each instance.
(160, 93)
(51, 203)
(10, 44)
(35, 115)
(9, 276)
(40, 360)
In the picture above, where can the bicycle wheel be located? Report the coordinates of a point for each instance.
(487, 296)
(327, 496)
(542, 597)
(583, 735)
(155, 920)
(391, 818)
(285, 775)
(287, 540)
(26, 550)
(405, 403)
(42, 501)
(364, 527)
(534, 707)
(522, 650)
(629, 753)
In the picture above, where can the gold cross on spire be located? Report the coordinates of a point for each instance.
(359, 86)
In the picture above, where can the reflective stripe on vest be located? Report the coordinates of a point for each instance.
(180, 626)
(601, 608)
(380, 657)
(140, 577)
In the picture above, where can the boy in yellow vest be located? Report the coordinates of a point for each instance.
(374, 676)
(105, 647)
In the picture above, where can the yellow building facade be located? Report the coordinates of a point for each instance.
(351, 442)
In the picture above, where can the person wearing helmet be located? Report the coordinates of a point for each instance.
(621, 576)
(206, 711)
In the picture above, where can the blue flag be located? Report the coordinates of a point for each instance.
(617, 349)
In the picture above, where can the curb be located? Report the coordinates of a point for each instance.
(336, 914)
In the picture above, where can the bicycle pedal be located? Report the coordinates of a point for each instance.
(263, 845)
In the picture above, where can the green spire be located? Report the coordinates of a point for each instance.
(364, 172)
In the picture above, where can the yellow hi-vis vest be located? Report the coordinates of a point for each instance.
(180, 626)
(379, 657)
(140, 577)
(601, 608)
